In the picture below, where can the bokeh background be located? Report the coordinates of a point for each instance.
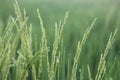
(82, 13)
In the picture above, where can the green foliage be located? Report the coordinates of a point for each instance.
(22, 59)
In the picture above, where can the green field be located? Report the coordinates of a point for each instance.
(55, 45)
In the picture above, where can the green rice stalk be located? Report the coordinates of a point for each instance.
(79, 50)
(102, 62)
(61, 62)
(5, 53)
(44, 55)
(89, 73)
(26, 44)
(58, 34)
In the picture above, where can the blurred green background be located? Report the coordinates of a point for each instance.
(82, 13)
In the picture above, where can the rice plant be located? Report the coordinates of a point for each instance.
(20, 61)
